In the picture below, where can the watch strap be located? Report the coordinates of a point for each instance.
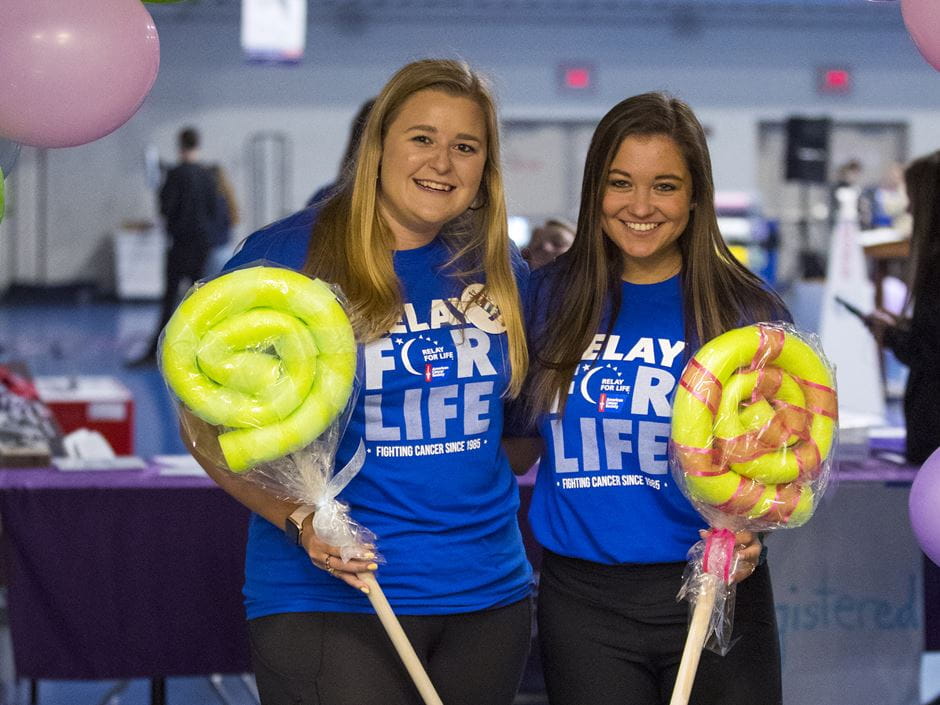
(294, 526)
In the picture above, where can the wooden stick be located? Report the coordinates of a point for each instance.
(695, 641)
(400, 641)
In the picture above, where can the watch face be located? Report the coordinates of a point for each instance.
(292, 530)
(293, 527)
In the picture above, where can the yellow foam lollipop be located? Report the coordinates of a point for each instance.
(265, 352)
(753, 423)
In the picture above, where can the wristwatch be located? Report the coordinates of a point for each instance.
(294, 526)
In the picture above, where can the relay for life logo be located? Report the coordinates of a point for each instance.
(455, 349)
(618, 405)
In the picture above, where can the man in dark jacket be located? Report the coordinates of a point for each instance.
(188, 202)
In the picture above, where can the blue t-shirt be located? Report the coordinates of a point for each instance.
(436, 487)
(604, 492)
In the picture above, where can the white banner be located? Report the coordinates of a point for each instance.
(848, 588)
(274, 30)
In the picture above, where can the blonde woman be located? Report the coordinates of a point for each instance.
(416, 237)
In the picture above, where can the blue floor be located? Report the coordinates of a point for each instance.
(95, 338)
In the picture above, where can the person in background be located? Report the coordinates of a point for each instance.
(646, 281)
(847, 189)
(416, 237)
(914, 337)
(189, 204)
(889, 201)
(547, 242)
(349, 155)
(227, 216)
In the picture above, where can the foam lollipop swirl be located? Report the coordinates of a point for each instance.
(753, 423)
(265, 352)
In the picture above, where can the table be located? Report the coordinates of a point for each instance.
(122, 574)
(883, 255)
(116, 575)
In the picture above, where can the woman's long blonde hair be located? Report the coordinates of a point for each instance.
(353, 247)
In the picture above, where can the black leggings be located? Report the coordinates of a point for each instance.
(614, 634)
(326, 658)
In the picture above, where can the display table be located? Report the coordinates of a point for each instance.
(117, 574)
(122, 574)
(885, 248)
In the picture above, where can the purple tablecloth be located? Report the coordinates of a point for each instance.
(119, 574)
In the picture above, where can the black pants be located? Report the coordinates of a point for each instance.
(325, 658)
(614, 634)
(183, 265)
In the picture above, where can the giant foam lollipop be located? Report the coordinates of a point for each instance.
(753, 424)
(267, 356)
(267, 353)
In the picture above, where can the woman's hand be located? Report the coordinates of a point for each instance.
(878, 322)
(328, 558)
(747, 549)
(201, 439)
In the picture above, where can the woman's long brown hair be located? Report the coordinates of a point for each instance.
(922, 181)
(718, 292)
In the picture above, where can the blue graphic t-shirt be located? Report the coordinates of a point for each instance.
(604, 492)
(436, 487)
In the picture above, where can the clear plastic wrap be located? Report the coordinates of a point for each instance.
(751, 446)
(262, 362)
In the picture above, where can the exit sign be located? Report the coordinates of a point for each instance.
(576, 77)
(834, 80)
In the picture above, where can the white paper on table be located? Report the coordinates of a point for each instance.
(177, 465)
(888, 432)
(120, 462)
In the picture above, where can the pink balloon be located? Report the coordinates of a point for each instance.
(924, 507)
(71, 72)
(922, 19)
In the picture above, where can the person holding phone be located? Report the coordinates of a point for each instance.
(914, 336)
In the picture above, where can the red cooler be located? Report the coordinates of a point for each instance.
(98, 403)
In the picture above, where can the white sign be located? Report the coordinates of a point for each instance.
(848, 589)
(274, 30)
